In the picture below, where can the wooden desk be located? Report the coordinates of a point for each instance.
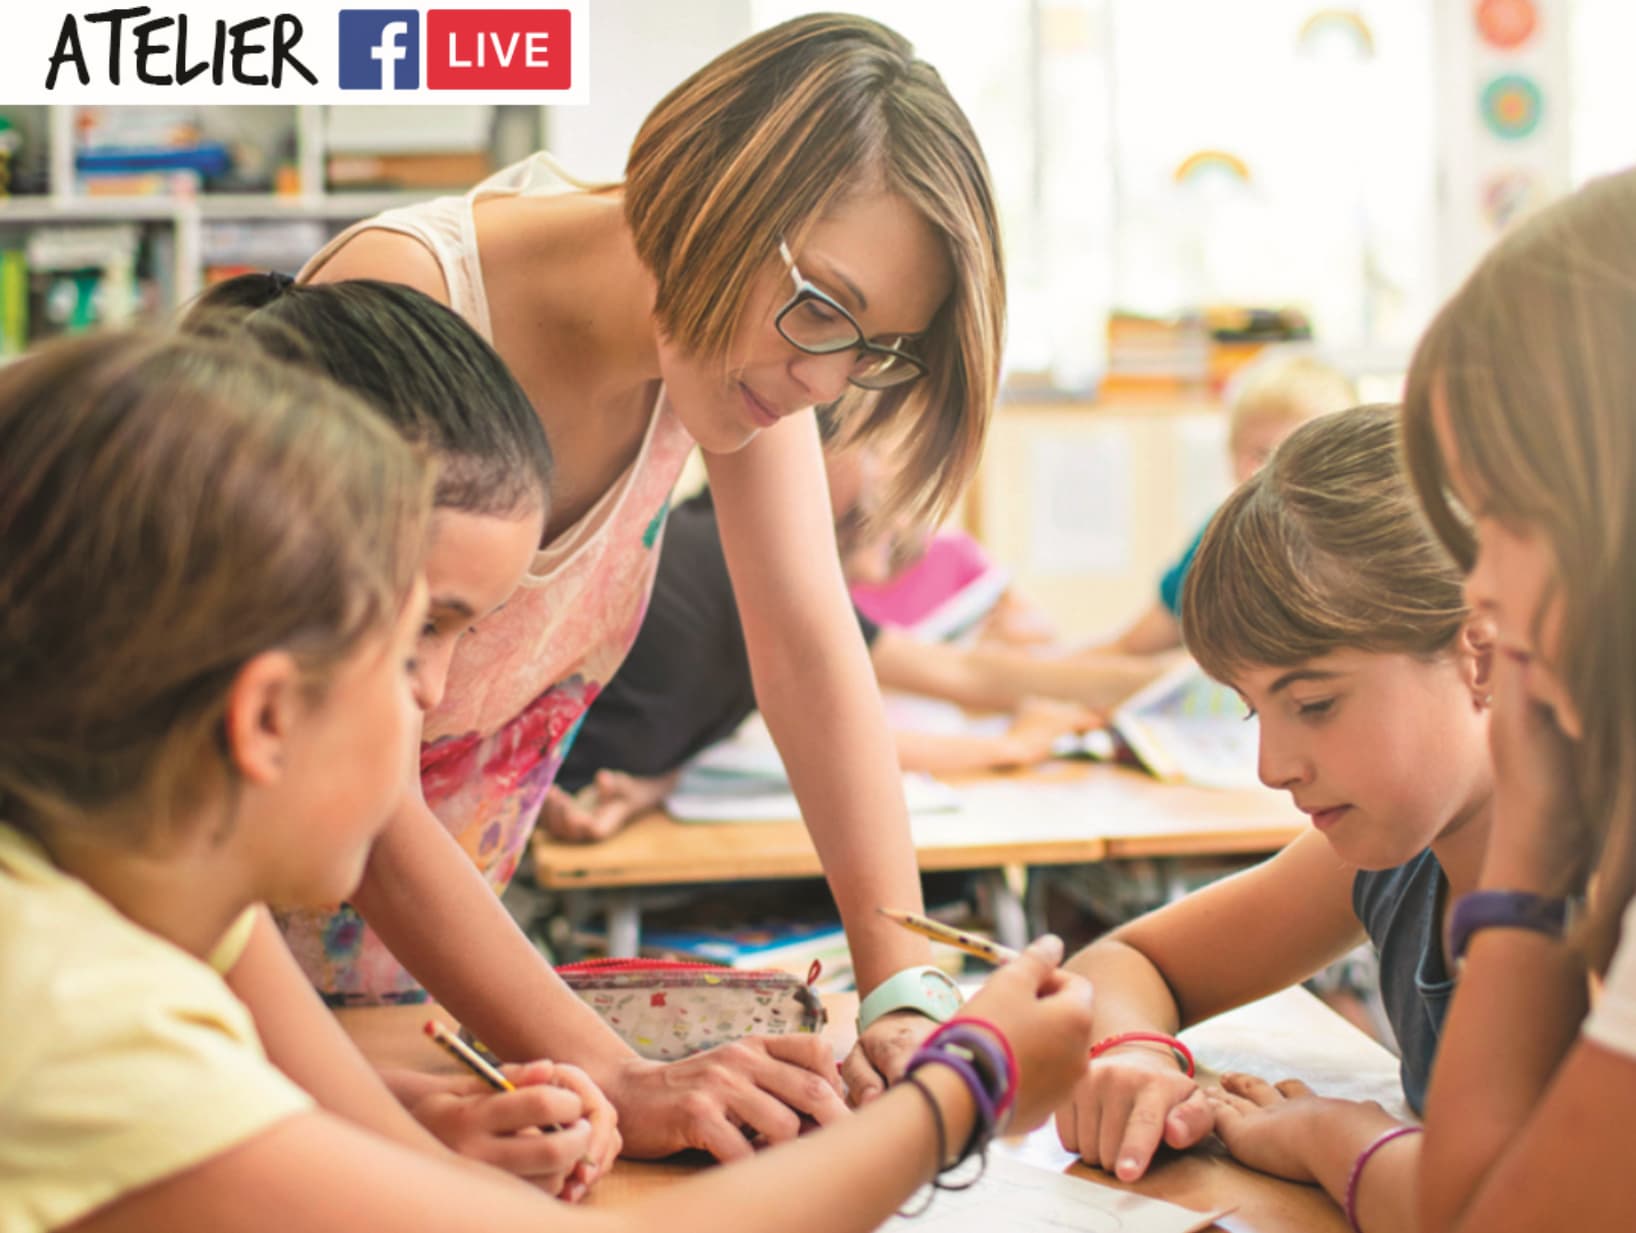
(1290, 1034)
(1060, 814)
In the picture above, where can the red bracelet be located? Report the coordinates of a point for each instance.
(1184, 1055)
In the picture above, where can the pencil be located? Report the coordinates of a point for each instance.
(993, 952)
(463, 1053)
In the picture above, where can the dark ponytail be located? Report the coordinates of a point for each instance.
(414, 361)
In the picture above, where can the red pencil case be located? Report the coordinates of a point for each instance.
(666, 1010)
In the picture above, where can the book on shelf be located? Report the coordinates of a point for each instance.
(455, 170)
(13, 302)
(791, 946)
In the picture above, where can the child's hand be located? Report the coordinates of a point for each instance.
(1538, 841)
(1133, 1098)
(1041, 722)
(506, 1129)
(1275, 1127)
(602, 809)
(1046, 1015)
(606, 1141)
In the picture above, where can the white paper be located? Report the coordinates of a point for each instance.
(1014, 1197)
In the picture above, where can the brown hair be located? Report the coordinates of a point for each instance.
(1534, 363)
(1321, 550)
(170, 508)
(765, 139)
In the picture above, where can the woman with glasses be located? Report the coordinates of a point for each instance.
(808, 212)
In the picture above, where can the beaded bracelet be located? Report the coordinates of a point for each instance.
(1183, 1055)
(1396, 1132)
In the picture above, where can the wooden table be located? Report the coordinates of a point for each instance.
(1060, 814)
(1290, 1034)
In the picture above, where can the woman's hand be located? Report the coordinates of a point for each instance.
(1133, 1098)
(761, 1088)
(882, 1053)
(556, 1130)
(1046, 1015)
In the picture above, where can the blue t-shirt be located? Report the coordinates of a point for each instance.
(1170, 586)
(1399, 910)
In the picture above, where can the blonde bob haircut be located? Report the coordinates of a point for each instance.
(764, 140)
(1324, 549)
(169, 509)
(1534, 363)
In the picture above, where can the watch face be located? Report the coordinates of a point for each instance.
(940, 989)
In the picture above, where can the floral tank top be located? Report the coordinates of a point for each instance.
(521, 681)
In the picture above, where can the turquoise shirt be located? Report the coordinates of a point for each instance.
(1170, 586)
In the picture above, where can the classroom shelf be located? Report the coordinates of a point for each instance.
(185, 246)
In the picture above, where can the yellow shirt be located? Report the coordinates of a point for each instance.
(123, 1059)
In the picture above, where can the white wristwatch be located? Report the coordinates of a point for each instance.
(928, 990)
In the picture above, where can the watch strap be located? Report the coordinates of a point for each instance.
(1503, 909)
(929, 990)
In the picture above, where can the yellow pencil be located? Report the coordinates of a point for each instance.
(463, 1053)
(993, 952)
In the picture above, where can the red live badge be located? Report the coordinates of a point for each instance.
(498, 49)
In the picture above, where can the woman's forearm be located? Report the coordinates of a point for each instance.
(826, 717)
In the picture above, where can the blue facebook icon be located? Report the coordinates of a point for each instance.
(380, 49)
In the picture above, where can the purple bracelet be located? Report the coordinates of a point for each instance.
(1396, 1132)
(987, 1115)
(989, 1057)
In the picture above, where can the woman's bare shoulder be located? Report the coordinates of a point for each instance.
(391, 256)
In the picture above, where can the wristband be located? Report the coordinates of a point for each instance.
(984, 1043)
(988, 1112)
(942, 1142)
(1396, 1132)
(1182, 1054)
(929, 990)
(1503, 909)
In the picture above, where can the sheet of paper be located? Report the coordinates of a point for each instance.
(1019, 1198)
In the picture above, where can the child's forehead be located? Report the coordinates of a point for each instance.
(1342, 661)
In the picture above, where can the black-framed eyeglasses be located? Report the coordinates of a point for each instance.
(813, 322)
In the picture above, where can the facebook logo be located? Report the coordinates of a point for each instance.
(380, 49)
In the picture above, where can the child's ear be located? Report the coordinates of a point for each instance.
(1476, 651)
(262, 704)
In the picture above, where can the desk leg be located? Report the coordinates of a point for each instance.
(1170, 869)
(624, 924)
(1006, 887)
